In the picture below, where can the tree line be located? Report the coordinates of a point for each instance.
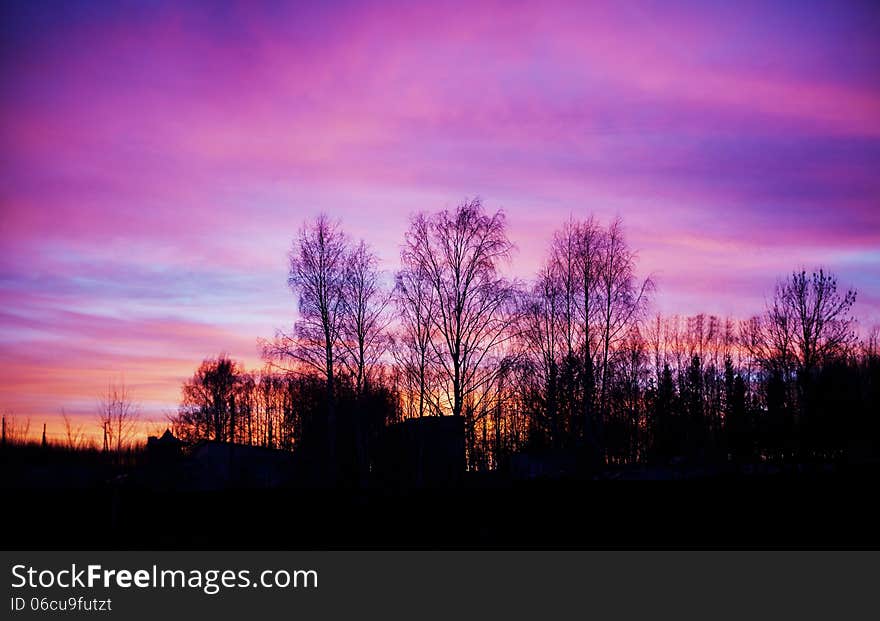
(572, 361)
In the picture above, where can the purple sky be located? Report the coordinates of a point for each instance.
(157, 160)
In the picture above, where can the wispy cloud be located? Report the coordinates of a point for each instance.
(158, 158)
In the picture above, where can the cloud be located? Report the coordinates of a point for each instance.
(157, 159)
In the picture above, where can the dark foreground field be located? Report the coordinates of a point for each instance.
(806, 509)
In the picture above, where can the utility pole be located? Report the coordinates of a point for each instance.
(44, 436)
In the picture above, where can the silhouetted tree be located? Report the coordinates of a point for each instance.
(363, 337)
(15, 430)
(458, 253)
(118, 416)
(211, 398)
(415, 300)
(668, 434)
(622, 299)
(543, 333)
(816, 316)
(74, 434)
(364, 316)
(319, 262)
(568, 363)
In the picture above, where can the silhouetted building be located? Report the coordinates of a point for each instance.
(224, 465)
(207, 465)
(421, 452)
(554, 464)
(164, 448)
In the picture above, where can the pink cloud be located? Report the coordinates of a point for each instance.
(157, 160)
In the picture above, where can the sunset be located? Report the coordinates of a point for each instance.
(159, 160)
(415, 309)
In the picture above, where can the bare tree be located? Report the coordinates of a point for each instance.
(15, 430)
(75, 437)
(816, 315)
(212, 401)
(318, 269)
(597, 303)
(364, 317)
(577, 253)
(622, 299)
(545, 330)
(415, 300)
(564, 267)
(118, 416)
(458, 252)
(870, 346)
(807, 322)
(364, 340)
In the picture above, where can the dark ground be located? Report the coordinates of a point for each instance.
(786, 509)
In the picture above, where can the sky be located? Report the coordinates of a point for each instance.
(158, 158)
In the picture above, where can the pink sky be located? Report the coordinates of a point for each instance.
(157, 160)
